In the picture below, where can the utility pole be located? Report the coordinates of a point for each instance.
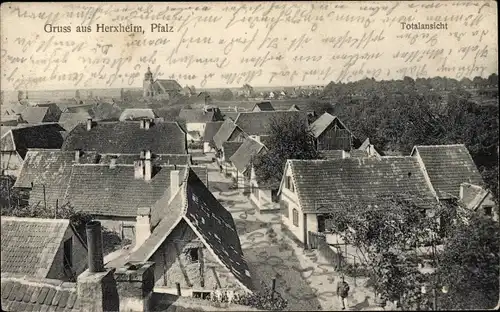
(44, 198)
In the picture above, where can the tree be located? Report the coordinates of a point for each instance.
(290, 138)
(265, 299)
(227, 95)
(469, 265)
(385, 236)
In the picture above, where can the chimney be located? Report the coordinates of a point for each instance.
(135, 283)
(89, 124)
(77, 155)
(148, 167)
(142, 226)
(96, 287)
(112, 162)
(147, 123)
(142, 123)
(346, 154)
(138, 169)
(175, 181)
(142, 155)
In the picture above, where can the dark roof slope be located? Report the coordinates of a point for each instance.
(127, 137)
(224, 133)
(323, 184)
(229, 148)
(167, 85)
(264, 106)
(37, 294)
(211, 129)
(217, 228)
(448, 166)
(258, 123)
(242, 158)
(36, 136)
(29, 245)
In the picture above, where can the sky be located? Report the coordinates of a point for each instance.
(46, 46)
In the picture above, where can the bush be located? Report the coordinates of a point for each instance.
(263, 300)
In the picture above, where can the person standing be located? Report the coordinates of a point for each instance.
(343, 291)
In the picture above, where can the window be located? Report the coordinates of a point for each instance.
(68, 254)
(488, 211)
(289, 183)
(193, 254)
(284, 208)
(295, 217)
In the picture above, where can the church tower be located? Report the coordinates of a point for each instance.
(147, 85)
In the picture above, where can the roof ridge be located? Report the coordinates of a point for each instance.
(441, 145)
(30, 219)
(40, 282)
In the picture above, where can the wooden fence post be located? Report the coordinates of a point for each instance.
(273, 289)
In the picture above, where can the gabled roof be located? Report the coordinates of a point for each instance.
(242, 158)
(448, 166)
(127, 137)
(35, 115)
(264, 106)
(137, 113)
(324, 184)
(167, 85)
(473, 195)
(196, 116)
(258, 123)
(20, 139)
(229, 148)
(101, 190)
(322, 123)
(29, 245)
(224, 133)
(21, 293)
(48, 171)
(195, 205)
(70, 120)
(211, 129)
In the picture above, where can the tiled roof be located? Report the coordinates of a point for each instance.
(196, 116)
(473, 195)
(167, 85)
(320, 124)
(127, 137)
(242, 158)
(29, 245)
(101, 190)
(157, 159)
(197, 206)
(210, 130)
(229, 148)
(137, 113)
(224, 133)
(258, 123)
(69, 120)
(448, 166)
(264, 106)
(50, 169)
(35, 114)
(38, 294)
(21, 139)
(323, 184)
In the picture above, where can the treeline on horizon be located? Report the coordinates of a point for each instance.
(399, 114)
